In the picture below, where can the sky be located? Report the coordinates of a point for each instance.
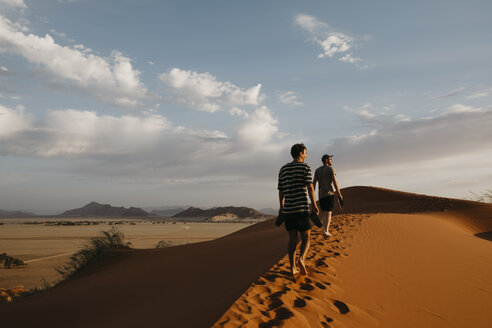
(158, 103)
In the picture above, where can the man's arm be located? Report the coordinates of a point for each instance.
(314, 182)
(312, 197)
(335, 182)
(281, 199)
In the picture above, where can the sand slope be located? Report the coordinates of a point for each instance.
(423, 268)
(419, 271)
(183, 286)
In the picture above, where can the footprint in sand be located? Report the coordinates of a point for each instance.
(281, 314)
(275, 299)
(328, 319)
(342, 307)
(327, 322)
(270, 277)
(307, 287)
(299, 302)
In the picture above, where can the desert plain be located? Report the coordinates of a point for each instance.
(44, 244)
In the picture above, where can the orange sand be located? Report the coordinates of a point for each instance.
(394, 270)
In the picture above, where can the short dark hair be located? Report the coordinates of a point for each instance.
(297, 149)
(325, 157)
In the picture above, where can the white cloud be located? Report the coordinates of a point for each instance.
(65, 36)
(349, 59)
(310, 23)
(480, 94)
(112, 80)
(147, 147)
(335, 43)
(202, 91)
(402, 118)
(62, 133)
(447, 176)
(332, 43)
(13, 121)
(366, 115)
(289, 98)
(84, 132)
(460, 108)
(258, 128)
(234, 111)
(14, 3)
(403, 141)
(377, 116)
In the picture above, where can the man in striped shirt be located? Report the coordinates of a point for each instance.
(294, 183)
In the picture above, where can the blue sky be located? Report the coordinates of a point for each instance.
(150, 103)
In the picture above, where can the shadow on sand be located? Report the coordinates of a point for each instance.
(485, 235)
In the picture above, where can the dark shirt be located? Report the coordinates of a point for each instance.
(324, 175)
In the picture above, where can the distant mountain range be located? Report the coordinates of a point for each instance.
(15, 214)
(168, 212)
(269, 211)
(240, 212)
(96, 209)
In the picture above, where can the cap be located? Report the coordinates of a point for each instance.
(325, 157)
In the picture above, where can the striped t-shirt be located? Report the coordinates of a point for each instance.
(293, 180)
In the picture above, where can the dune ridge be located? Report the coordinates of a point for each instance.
(398, 260)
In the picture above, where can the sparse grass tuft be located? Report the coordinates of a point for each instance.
(163, 244)
(9, 261)
(94, 250)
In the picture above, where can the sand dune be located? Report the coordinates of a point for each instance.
(419, 264)
(424, 269)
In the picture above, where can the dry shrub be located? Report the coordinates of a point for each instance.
(9, 261)
(93, 251)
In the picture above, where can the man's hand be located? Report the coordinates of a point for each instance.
(340, 197)
(314, 208)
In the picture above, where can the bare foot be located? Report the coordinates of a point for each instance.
(294, 271)
(327, 234)
(302, 267)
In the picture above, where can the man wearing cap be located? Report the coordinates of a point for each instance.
(294, 186)
(325, 176)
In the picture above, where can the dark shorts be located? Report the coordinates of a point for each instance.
(326, 203)
(297, 221)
